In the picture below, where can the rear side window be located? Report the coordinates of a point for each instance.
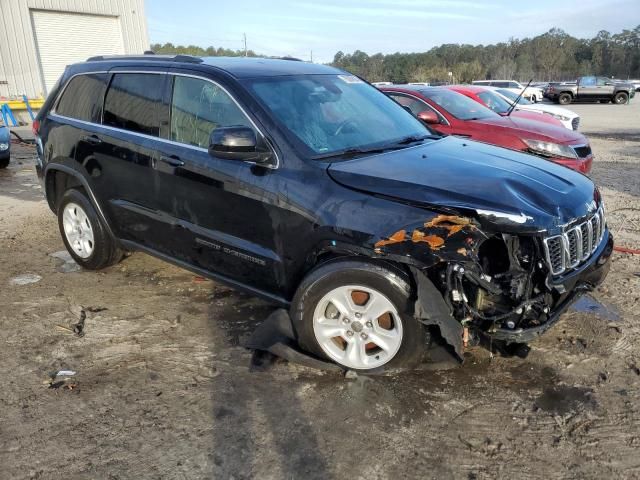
(82, 98)
(132, 102)
(416, 106)
(198, 107)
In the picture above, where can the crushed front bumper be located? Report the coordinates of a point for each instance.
(571, 286)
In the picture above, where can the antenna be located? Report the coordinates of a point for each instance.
(515, 102)
(245, 44)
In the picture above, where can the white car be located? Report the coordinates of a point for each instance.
(569, 119)
(534, 94)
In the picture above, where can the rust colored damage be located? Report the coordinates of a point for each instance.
(452, 223)
(434, 241)
(397, 237)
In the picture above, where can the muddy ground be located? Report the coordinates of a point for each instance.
(163, 387)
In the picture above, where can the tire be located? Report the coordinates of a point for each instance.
(564, 99)
(621, 98)
(534, 99)
(4, 162)
(84, 234)
(348, 282)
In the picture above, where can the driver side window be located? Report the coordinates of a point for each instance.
(198, 107)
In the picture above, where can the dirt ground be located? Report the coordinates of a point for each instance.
(163, 388)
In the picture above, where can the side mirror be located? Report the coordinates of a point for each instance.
(238, 143)
(428, 116)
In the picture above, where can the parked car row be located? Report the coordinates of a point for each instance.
(461, 111)
(532, 93)
(304, 185)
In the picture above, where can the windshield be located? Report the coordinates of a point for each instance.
(512, 96)
(458, 105)
(333, 113)
(494, 101)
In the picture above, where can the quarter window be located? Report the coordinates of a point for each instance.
(82, 99)
(198, 107)
(132, 101)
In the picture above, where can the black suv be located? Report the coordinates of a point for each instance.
(306, 186)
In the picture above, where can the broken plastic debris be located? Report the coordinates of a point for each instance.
(25, 279)
(65, 373)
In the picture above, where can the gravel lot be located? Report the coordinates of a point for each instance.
(163, 388)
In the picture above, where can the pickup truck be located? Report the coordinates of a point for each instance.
(592, 89)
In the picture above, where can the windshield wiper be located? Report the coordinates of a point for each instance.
(348, 153)
(351, 152)
(415, 138)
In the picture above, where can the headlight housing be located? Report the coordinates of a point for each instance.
(559, 117)
(4, 146)
(549, 149)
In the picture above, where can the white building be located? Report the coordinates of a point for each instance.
(38, 38)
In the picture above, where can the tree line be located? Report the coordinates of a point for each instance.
(554, 55)
(171, 49)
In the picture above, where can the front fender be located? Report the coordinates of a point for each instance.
(441, 238)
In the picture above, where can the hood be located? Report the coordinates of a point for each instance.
(512, 190)
(524, 128)
(536, 107)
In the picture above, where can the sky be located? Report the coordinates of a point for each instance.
(298, 28)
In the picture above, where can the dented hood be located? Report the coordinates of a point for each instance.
(517, 191)
(536, 129)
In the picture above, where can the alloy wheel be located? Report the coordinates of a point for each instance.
(358, 327)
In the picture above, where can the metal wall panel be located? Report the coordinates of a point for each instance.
(20, 65)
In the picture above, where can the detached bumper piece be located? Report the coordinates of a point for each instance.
(571, 286)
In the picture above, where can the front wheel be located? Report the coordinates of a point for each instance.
(534, 99)
(359, 315)
(4, 162)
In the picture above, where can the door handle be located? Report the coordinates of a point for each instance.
(92, 139)
(173, 161)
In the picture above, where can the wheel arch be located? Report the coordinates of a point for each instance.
(59, 178)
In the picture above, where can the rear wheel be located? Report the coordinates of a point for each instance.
(359, 315)
(84, 234)
(534, 99)
(621, 98)
(564, 99)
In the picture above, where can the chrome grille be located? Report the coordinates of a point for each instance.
(575, 245)
(575, 123)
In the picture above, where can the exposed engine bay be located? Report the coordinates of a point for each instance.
(503, 284)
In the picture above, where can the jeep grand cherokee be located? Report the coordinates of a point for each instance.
(308, 187)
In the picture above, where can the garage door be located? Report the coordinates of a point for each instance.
(64, 38)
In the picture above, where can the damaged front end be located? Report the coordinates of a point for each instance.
(507, 288)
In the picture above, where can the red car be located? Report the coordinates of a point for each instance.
(499, 105)
(451, 113)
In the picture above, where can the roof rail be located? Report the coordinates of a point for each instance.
(148, 57)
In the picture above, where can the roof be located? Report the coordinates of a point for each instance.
(243, 67)
(239, 67)
(469, 88)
